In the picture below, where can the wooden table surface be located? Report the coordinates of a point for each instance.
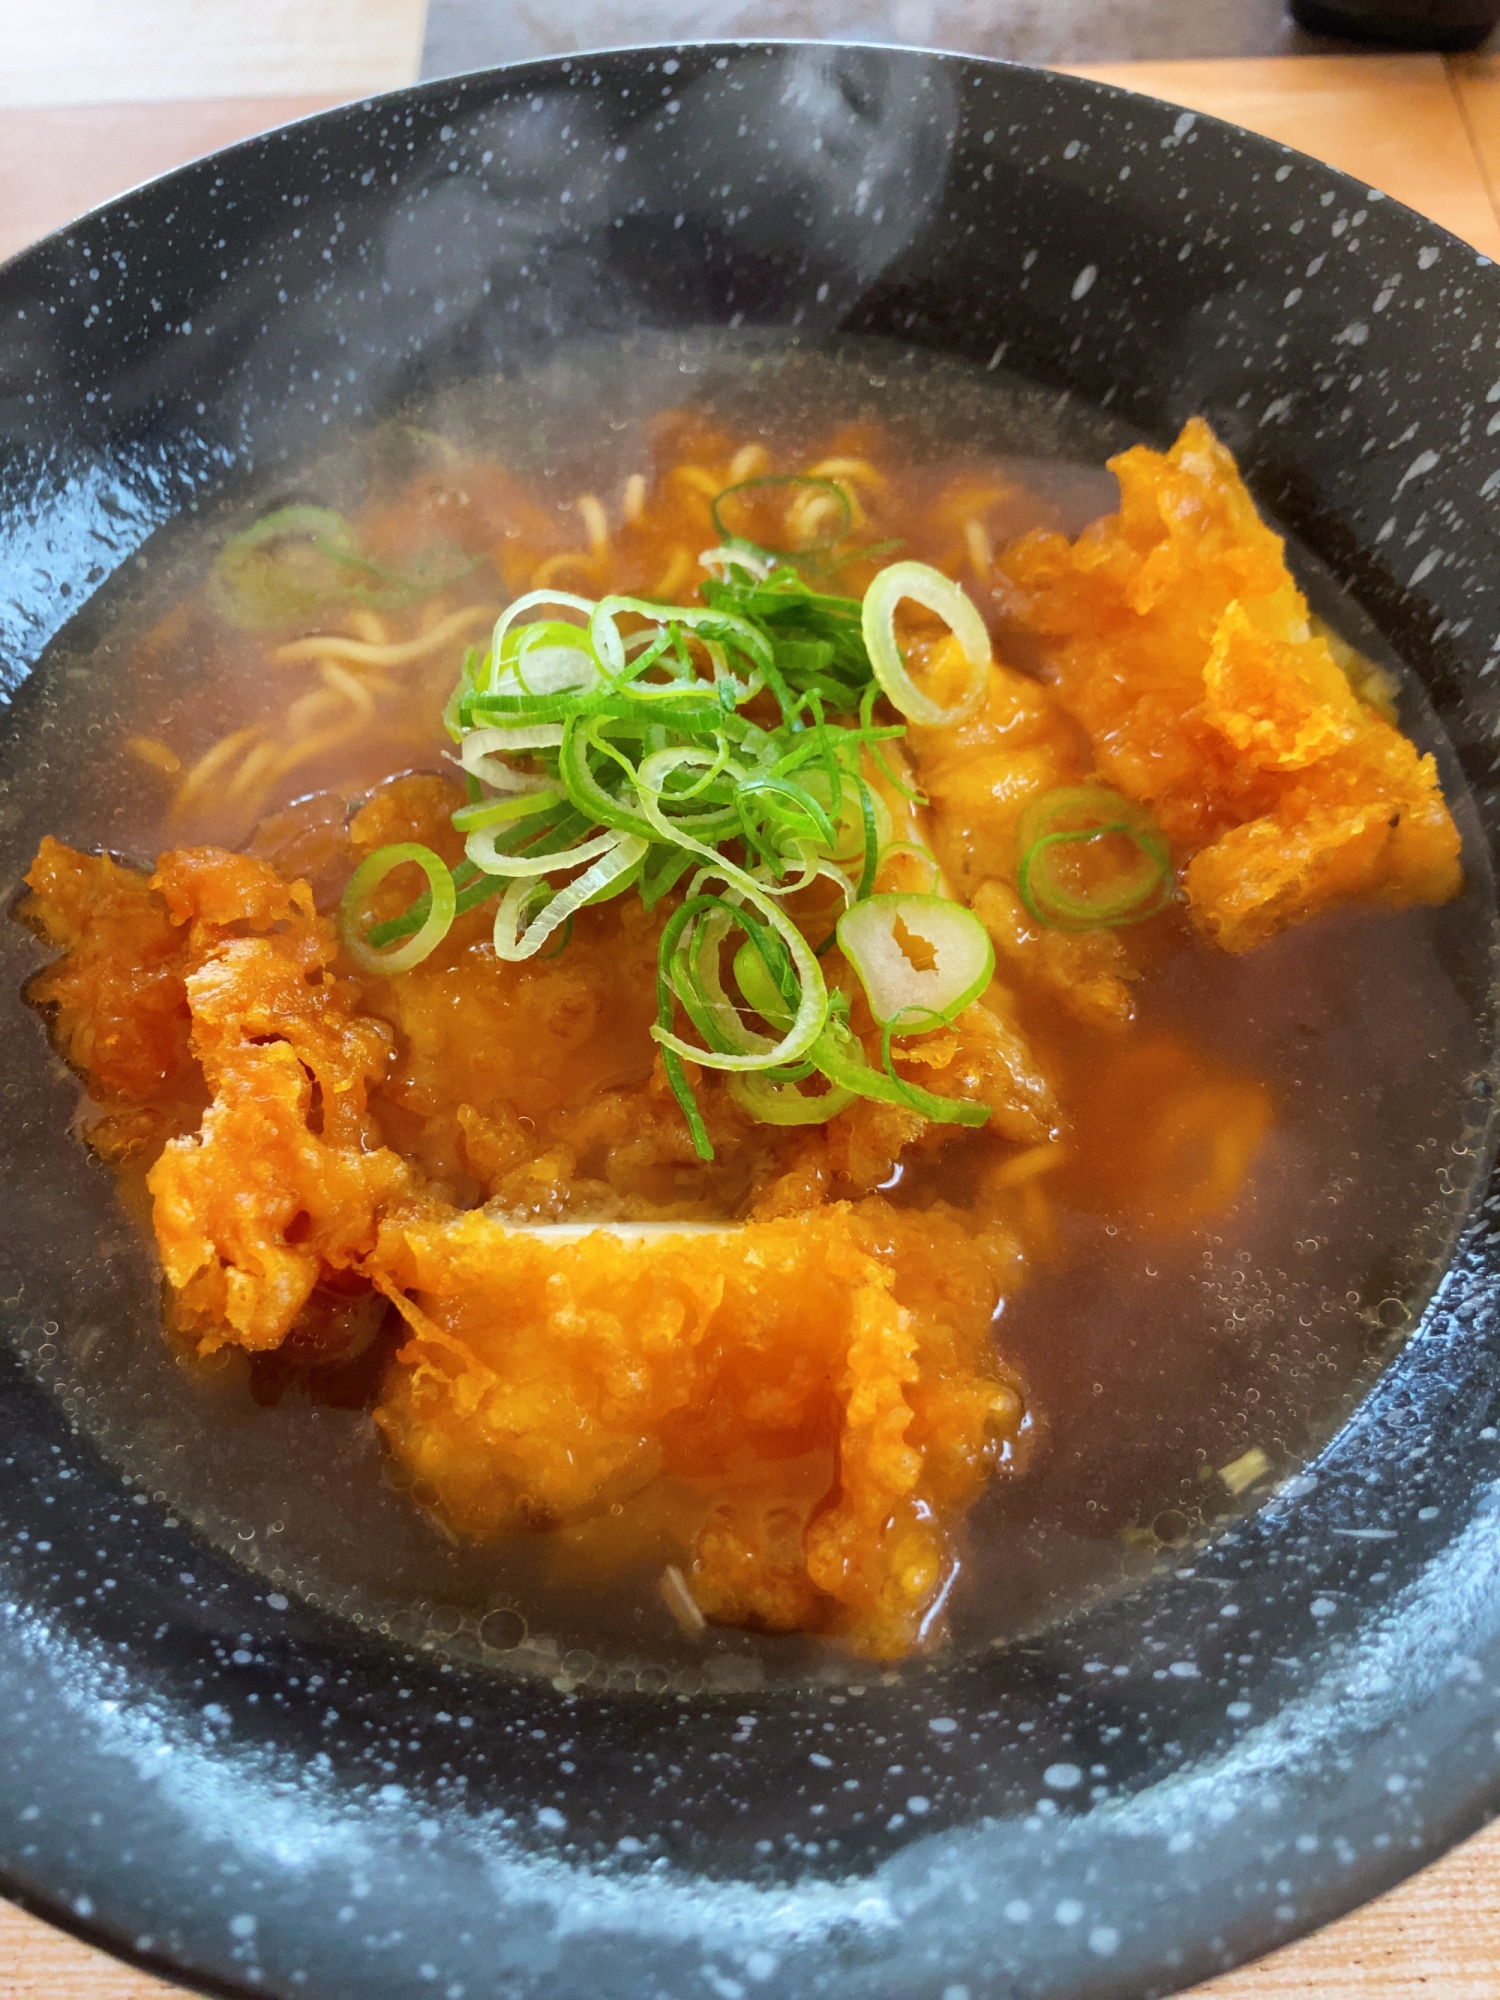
(1424, 130)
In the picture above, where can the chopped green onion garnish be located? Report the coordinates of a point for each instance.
(770, 481)
(295, 561)
(920, 959)
(841, 1059)
(784, 1104)
(726, 744)
(282, 568)
(363, 883)
(1091, 859)
(941, 596)
(518, 935)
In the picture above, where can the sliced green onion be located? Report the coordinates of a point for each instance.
(882, 763)
(839, 1056)
(919, 958)
(294, 561)
(472, 890)
(771, 480)
(480, 743)
(690, 950)
(1091, 859)
(367, 877)
(531, 600)
(483, 850)
(726, 627)
(583, 735)
(938, 594)
(478, 750)
(909, 850)
(515, 939)
(661, 871)
(511, 807)
(545, 670)
(619, 750)
(812, 1004)
(784, 1104)
(651, 776)
(760, 985)
(282, 568)
(862, 819)
(797, 817)
(733, 553)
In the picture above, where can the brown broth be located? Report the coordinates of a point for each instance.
(1156, 1359)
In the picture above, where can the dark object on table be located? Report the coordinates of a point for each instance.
(1405, 24)
(232, 1786)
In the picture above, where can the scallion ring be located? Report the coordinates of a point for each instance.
(704, 924)
(513, 806)
(282, 568)
(938, 594)
(609, 645)
(1091, 859)
(755, 562)
(516, 939)
(839, 1056)
(531, 600)
(771, 1103)
(770, 480)
(367, 877)
(477, 754)
(761, 986)
(920, 959)
(812, 1004)
(483, 850)
(908, 850)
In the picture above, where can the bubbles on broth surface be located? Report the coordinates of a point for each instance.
(1179, 1376)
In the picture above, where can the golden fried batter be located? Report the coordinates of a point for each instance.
(825, 1382)
(542, 1382)
(282, 1182)
(1174, 633)
(119, 1011)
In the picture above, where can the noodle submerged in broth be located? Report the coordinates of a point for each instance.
(717, 1103)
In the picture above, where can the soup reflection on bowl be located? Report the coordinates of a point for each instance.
(755, 832)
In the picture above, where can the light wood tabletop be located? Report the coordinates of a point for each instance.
(1425, 130)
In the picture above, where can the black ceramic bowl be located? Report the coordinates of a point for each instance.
(256, 1797)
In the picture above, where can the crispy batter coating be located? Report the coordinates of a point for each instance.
(980, 777)
(119, 1009)
(543, 1382)
(282, 1183)
(1174, 633)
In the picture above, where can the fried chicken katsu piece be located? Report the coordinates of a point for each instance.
(282, 1184)
(829, 1383)
(210, 983)
(116, 998)
(1174, 634)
